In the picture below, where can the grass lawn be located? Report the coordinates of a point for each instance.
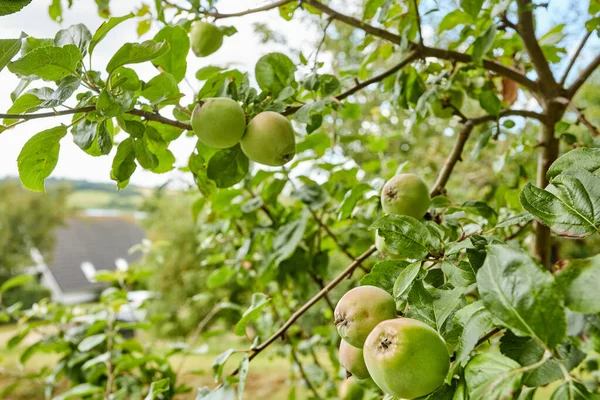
(268, 377)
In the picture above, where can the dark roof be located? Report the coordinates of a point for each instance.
(98, 240)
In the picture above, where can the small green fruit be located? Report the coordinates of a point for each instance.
(351, 389)
(269, 139)
(360, 310)
(219, 122)
(205, 38)
(405, 194)
(406, 358)
(352, 360)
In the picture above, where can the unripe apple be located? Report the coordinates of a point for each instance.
(352, 360)
(269, 139)
(219, 122)
(406, 358)
(351, 389)
(405, 194)
(360, 310)
(205, 38)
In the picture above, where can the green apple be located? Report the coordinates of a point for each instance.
(219, 122)
(405, 194)
(406, 358)
(269, 139)
(351, 389)
(352, 360)
(205, 38)
(360, 310)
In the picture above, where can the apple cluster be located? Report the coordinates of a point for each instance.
(220, 123)
(405, 357)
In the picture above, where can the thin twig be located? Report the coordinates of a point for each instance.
(415, 3)
(267, 7)
(585, 74)
(574, 58)
(149, 116)
(329, 21)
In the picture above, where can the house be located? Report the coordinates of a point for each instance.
(84, 245)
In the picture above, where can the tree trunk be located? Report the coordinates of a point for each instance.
(542, 242)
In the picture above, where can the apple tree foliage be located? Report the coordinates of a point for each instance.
(480, 271)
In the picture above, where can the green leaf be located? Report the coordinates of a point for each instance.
(243, 375)
(288, 238)
(492, 376)
(228, 166)
(90, 342)
(490, 102)
(79, 391)
(16, 281)
(207, 72)
(49, 63)
(384, 274)
(259, 300)
(162, 89)
(583, 157)
(405, 235)
(274, 72)
(219, 363)
(8, 49)
(475, 321)
(104, 138)
(123, 165)
(27, 102)
(579, 283)
(570, 206)
(113, 105)
(518, 219)
(521, 295)
(12, 6)
(84, 133)
(39, 156)
(157, 388)
(174, 61)
(78, 35)
(572, 390)
(67, 86)
(483, 44)
(144, 155)
(405, 279)
(135, 53)
(453, 19)
(106, 27)
(352, 197)
(527, 351)
(472, 7)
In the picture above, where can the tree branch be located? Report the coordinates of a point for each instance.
(149, 116)
(28, 117)
(585, 74)
(463, 136)
(250, 11)
(503, 70)
(294, 317)
(526, 30)
(412, 56)
(574, 58)
(424, 51)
